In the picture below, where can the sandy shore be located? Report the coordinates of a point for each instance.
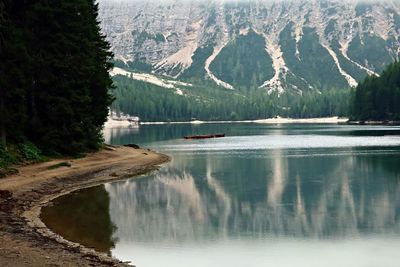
(25, 240)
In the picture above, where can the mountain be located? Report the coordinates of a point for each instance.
(277, 45)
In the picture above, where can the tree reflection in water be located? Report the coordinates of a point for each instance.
(291, 195)
(83, 217)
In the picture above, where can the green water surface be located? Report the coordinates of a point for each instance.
(265, 195)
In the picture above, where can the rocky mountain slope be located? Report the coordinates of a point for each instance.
(277, 45)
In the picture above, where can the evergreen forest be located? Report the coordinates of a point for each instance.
(54, 78)
(378, 98)
(209, 102)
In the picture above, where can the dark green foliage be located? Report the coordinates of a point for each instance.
(362, 8)
(396, 20)
(3, 24)
(159, 38)
(13, 82)
(7, 158)
(196, 70)
(331, 11)
(330, 28)
(133, 65)
(349, 67)
(242, 67)
(54, 76)
(16, 154)
(371, 49)
(322, 73)
(175, 70)
(30, 151)
(141, 37)
(215, 103)
(212, 17)
(378, 98)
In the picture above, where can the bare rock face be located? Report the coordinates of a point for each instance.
(301, 44)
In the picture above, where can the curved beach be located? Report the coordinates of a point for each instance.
(25, 240)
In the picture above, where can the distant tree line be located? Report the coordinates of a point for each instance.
(378, 98)
(54, 81)
(207, 102)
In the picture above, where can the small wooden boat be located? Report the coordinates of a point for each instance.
(205, 136)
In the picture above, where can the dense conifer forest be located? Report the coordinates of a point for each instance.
(378, 98)
(54, 76)
(208, 102)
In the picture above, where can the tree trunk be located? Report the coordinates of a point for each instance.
(2, 122)
(32, 111)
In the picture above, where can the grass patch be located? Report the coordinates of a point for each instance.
(18, 154)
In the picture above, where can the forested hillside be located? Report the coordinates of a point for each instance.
(54, 77)
(310, 53)
(378, 98)
(243, 62)
(215, 103)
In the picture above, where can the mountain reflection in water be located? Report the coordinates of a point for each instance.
(299, 197)
(280, 195)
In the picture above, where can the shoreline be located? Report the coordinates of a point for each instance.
(386, 123)
(25, 240)
(277, 120)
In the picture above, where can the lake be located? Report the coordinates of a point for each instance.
(264, 195)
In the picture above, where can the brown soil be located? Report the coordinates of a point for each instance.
(25, 240)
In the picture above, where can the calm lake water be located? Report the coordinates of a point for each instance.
(265, 195)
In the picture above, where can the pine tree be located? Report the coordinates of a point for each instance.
(100, 82)
(376, 98)
(12, 74)
(54, 74)
(3, 21)
(68, 97)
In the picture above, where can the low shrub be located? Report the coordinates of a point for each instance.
(7, 158)
(30, 151)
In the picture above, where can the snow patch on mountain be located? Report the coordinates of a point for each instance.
(344, 46)
(278, 63)
(170, 84)
(350, 80)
